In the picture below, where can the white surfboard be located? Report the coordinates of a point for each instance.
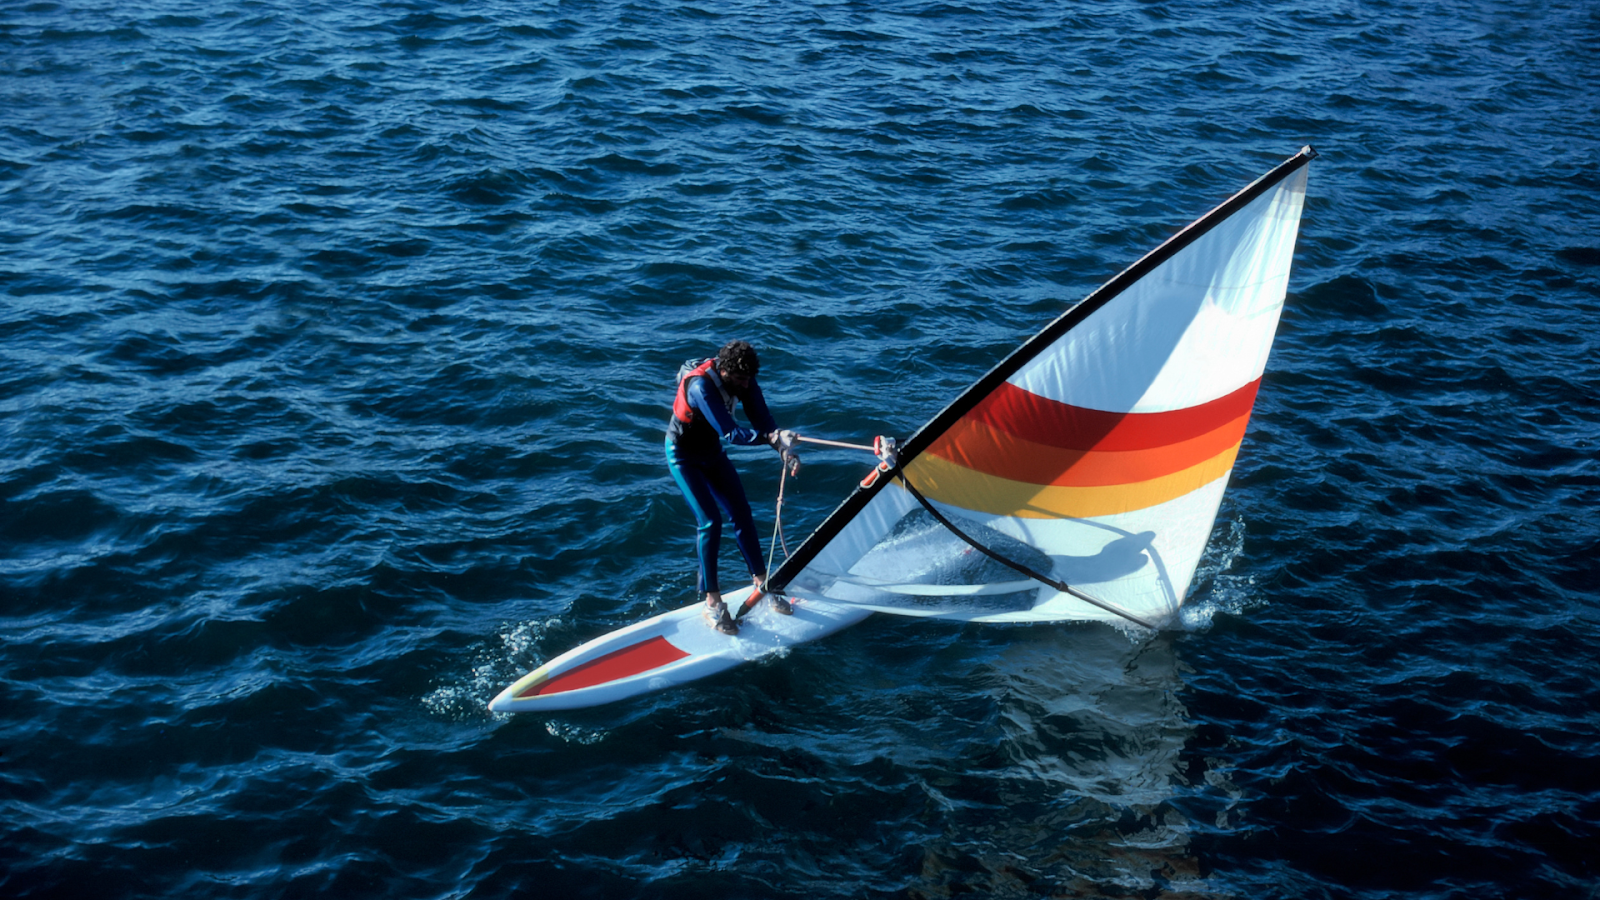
(671, 649)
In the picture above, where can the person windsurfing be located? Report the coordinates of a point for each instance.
(702, 418)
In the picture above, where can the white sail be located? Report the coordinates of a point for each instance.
(1080, 478)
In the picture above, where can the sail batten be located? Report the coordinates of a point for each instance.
(1094, 456)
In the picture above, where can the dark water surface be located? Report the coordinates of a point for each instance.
(338, 339)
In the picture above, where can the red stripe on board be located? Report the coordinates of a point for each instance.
(1053, 423)
(618, 664)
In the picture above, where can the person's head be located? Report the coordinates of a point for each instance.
(737, 364)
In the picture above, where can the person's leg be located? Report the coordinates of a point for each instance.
(692, 481)
(696, 486)
(728, 490)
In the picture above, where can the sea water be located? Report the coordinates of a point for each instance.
(339, 339)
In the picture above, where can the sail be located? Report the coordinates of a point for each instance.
(1080, 478)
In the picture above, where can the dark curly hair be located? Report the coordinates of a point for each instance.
(738, 358)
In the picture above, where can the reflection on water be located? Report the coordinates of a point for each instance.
(1074, 800)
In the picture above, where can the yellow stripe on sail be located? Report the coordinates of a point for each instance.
(942, 480)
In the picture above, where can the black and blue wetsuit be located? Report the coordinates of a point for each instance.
(703, 471)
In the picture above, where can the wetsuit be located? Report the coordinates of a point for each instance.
(703, 471)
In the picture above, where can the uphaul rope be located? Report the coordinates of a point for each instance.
(882, 447)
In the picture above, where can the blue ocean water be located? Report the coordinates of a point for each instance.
(338, 340)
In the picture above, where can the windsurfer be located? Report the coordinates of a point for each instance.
(702, 417)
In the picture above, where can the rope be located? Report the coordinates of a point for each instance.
(772, 547)
(777, 512)
(777, 520)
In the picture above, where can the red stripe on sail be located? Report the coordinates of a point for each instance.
(979, 447)
(618, 664)
(1050, 422)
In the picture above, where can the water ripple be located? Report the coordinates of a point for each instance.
(337, 343)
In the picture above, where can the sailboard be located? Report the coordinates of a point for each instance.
(1078, 479)
(664, 651)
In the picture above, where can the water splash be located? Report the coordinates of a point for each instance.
(573, 734)
(1220, 591)
(493, 669)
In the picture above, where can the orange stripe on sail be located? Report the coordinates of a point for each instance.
(945, 481)
(974, 445)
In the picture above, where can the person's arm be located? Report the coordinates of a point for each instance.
(755, 408)
(705, 397)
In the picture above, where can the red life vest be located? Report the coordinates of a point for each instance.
(681, 410)
(688, 429)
